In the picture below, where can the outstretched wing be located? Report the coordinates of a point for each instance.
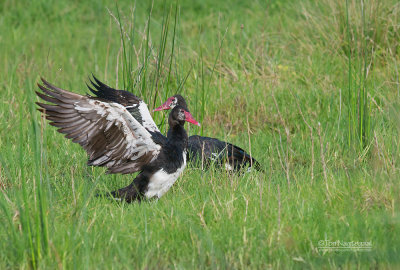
(107, 131)
(137, 107)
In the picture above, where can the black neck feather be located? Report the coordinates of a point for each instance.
(177, 134)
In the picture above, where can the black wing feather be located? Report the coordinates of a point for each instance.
(106, 92)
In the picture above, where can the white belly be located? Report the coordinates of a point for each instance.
(161, 181)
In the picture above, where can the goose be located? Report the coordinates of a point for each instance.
(115, 139)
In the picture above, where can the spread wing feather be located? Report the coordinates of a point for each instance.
(111, 136)
(137, 107)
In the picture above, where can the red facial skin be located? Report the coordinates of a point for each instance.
(166, 105)
(189, 118)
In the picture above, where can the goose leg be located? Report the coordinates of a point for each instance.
(134, 191)
(128, 193)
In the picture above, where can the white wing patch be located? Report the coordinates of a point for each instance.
(228, 167)
(161, 181)
(148, 121)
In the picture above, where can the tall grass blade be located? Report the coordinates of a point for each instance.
(358, 53)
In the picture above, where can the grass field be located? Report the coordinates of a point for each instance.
(310, 88)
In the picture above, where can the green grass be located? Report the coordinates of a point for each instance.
(313, 95)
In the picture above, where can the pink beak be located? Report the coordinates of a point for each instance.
(165, 106)
(189, 118)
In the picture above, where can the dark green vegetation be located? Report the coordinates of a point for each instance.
(311, 88)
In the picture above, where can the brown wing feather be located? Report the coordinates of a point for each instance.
(107, 131)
